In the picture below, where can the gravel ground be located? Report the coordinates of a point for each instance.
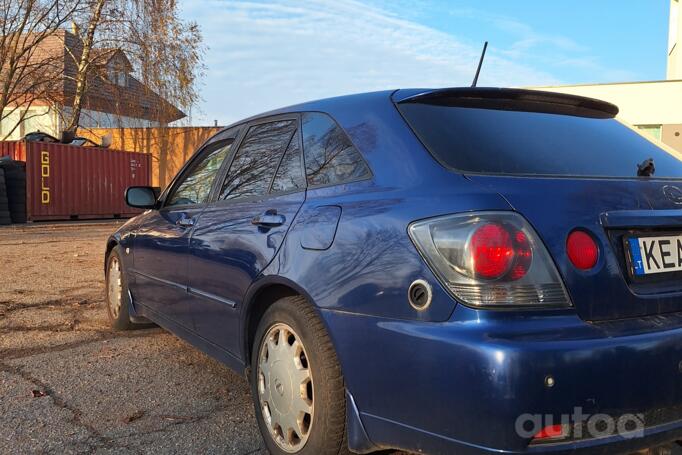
(68, 384)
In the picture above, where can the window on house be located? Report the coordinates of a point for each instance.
(118, 76)
(653, 131)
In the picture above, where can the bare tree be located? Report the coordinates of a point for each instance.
(166, 52)
(28, 75)
(84, 61)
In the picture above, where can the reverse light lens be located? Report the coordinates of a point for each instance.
(524, 255)
(582, 250)
(490, 259)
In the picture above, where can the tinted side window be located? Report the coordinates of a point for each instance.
(254, 164)
(289, 176)
(330, 157)
(196, 186)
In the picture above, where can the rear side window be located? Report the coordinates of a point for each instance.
(514, 142)
(289, 175)
(330, 157)
(254, 164)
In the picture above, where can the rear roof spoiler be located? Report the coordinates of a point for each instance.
(511, 99)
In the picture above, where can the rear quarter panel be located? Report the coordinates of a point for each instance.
(372, 261)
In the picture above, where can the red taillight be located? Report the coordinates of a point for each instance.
(490, 259)
(582, 250)
(498, 251)
(492, 250)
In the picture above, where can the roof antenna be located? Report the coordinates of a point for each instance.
(480, 62)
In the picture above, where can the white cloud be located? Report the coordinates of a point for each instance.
(267, 55)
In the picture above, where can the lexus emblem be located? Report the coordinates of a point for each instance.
(673, 193)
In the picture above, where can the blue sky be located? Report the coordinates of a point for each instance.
(272, 53)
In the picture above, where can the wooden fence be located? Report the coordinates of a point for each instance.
(169, 147)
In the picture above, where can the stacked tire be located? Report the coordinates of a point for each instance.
(15, 189)
(4, 202)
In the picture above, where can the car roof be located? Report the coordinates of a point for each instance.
(482, 97)
(321, 105)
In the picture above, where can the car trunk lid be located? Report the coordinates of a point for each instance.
(613, 211)
(564, 162)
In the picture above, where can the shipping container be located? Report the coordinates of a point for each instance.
(14, 149)
(67, 182)
(170, 147)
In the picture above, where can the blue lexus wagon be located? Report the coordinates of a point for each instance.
(465, 270)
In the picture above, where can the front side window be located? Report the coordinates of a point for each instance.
(330, 157)
(256, 160)
(196, 186)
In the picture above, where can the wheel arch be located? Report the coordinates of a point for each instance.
(111, 244)
(260, 296)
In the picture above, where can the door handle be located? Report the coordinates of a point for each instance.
(268, 219)
(185, 222)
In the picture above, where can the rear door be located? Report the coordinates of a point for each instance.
(161, 244)
(240, 232)
(568, 172)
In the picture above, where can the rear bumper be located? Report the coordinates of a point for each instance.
(464, 385)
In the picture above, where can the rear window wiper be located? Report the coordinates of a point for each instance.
(646, 168)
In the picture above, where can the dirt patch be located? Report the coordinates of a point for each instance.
(71, 385)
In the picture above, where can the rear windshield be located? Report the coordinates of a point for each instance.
(513, 142)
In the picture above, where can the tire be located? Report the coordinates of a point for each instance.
(116, 291)
(18, 217)
(15, 198)
(323, 429)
